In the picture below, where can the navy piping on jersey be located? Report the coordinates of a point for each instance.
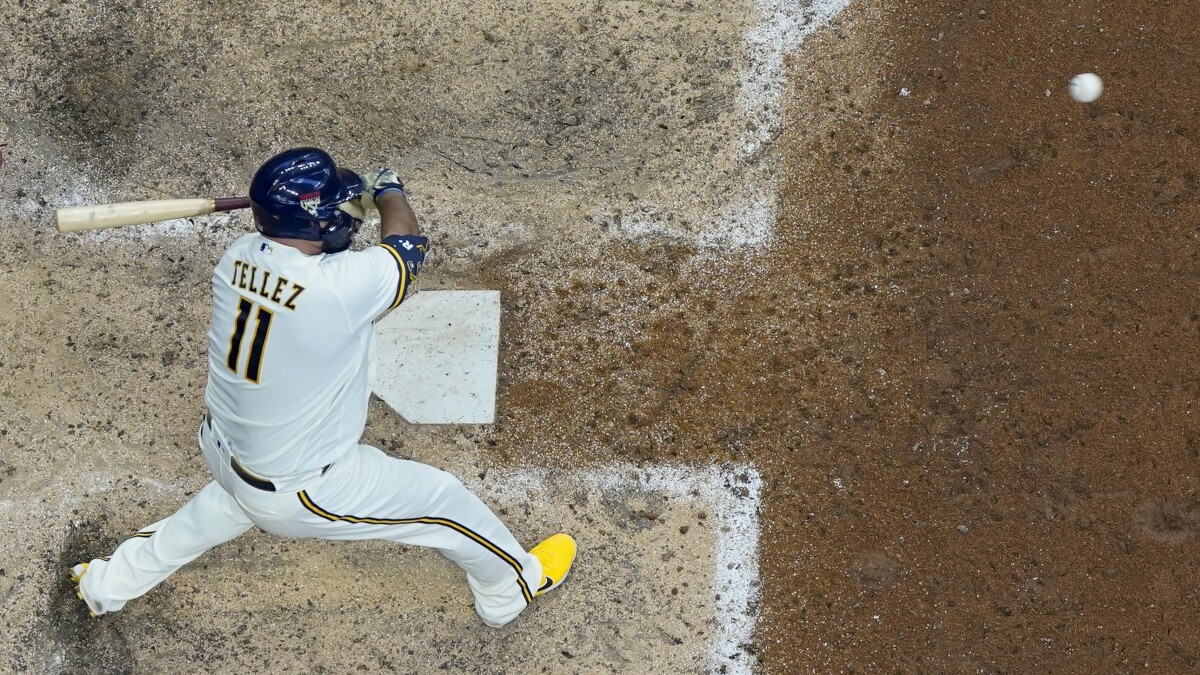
(400, 287)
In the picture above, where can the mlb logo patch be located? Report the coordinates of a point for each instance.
(311, 202)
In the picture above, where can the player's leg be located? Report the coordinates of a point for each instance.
(141, 562)
(368, 495)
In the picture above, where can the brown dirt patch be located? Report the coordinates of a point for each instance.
(969, 370)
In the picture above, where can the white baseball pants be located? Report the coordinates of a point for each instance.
(364, 495)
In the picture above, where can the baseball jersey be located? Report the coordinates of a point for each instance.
(290, 343)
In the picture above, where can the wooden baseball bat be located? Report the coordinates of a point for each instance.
(100, 216)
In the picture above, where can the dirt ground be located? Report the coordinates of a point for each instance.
(1006, 298)
(963, 362)
(968, 370)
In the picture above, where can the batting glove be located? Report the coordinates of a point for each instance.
(377, 182)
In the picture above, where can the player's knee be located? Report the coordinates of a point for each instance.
(449, 484)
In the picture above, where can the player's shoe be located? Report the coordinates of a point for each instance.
(77, 576)
(557, 553)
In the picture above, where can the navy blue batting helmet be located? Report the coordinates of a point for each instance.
(296, 195)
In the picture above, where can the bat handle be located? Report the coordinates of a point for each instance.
(230, 203)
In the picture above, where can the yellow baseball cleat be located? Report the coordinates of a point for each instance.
(76, 576)
(557, 554)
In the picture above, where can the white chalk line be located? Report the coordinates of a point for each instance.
(731, 491)
(747, 217)
(783, 27)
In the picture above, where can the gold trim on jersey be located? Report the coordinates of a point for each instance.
(444, 522)
(403, 274)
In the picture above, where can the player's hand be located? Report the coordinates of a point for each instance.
(355, 208)
(377, 182)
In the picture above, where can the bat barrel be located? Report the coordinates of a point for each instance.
(101, 216)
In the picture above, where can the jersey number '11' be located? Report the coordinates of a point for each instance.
(262, 325)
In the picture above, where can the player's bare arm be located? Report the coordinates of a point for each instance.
(396, 217)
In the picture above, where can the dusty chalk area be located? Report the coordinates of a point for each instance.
(666, 581)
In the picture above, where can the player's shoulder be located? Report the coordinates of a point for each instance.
(367, 265)
(248, 240)
(353, 258)
(243, 244)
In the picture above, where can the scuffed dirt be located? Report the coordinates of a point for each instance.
(965, 363)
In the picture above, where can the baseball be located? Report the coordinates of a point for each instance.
(1086, 87)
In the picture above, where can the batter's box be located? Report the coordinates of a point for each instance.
(666, 582)
(668, 557)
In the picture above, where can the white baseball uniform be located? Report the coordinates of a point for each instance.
(288, 386)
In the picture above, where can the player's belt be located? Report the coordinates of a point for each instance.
(251, 479)
(245, 475)
(255, 481)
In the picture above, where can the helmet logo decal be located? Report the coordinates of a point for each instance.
(311, 202)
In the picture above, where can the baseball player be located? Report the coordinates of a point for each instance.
(288, 383)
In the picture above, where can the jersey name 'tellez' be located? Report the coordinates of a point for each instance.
(289, 347)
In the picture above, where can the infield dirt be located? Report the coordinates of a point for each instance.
(964, 362)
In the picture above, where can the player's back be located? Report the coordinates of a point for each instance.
(288, 356)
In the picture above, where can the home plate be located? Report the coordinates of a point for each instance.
(435, 357)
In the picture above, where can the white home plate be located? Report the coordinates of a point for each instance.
(435, 357)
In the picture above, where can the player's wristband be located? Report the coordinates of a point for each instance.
(390, 188)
